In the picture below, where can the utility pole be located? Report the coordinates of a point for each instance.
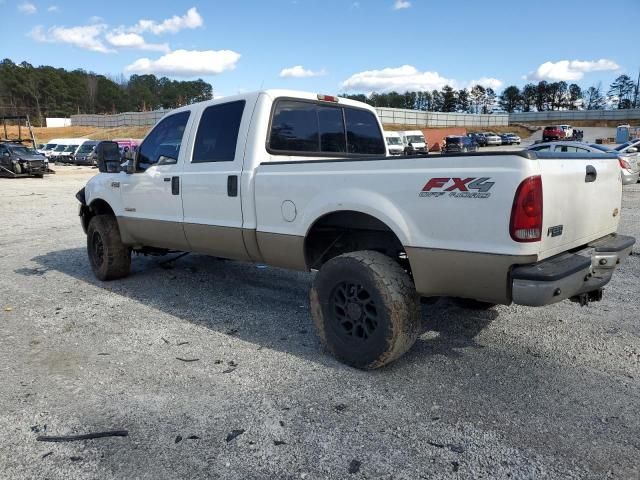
(635, 97)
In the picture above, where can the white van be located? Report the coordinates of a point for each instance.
(394, 143)
(413, 141)
(568, 131)
(65, 147)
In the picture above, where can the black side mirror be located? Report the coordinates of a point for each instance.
(108, 157)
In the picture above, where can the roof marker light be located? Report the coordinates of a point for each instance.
(327, 98)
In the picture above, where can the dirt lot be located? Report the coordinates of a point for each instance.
(514, 392)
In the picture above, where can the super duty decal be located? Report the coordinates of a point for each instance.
(471, 187)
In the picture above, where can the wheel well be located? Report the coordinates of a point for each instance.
(97, 207)
(349, 231)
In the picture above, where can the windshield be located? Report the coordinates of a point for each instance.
(50, 146)
(489, 134)
(601, 147)
(70, 148)
(23, 151)
(415, 139)
(453, 140)
(59, 148)
(86, 148)
(393, 141)
(623, 146)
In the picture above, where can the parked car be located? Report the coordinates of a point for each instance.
(510, 139)
(18, 159)
(459, 144)
(83, 154)
(632, 147)
(249, 178)
(630, 169)
(568, 131)
(479, 138)
(492, 138)
(394, 143)
(414, 142)
(555, 132)
(628, 159)
(68, 154)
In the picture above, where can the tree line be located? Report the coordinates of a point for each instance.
(543, 96)
(46, 91)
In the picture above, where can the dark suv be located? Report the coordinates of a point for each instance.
(479, 138)
(18, 159)
(457, 144)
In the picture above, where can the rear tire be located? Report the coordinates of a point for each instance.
(365, 309)
(108, 257)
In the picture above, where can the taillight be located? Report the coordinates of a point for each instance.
(623, 163)
(526, 214)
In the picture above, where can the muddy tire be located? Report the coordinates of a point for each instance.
(470, 304)
(365, 309)
(108, 257)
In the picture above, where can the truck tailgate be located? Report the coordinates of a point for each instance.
(582, 199)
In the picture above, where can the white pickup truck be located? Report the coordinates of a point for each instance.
(302, 181)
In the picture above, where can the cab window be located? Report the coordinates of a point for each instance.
(308, 128)
(162, 145)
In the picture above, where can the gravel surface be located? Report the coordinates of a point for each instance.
(213, 368)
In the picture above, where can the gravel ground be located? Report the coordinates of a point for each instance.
(513, 392)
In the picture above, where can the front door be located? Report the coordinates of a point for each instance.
(211, 180)
(151, 197)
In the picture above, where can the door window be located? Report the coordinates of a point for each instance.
(162, 145)
(218, 133)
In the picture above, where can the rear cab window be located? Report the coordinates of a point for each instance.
(308, 128)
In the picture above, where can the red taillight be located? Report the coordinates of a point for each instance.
(526, 213)
(327, 98)
(623, 163)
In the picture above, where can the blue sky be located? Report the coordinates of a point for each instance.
(330, 45)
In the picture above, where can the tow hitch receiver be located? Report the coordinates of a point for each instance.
(584, 298)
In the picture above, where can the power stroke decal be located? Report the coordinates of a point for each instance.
(472, 187)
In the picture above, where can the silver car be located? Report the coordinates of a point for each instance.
(492, 138)
(628, 163)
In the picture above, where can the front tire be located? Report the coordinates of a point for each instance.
(108, 257)
(365, 309)
(17, 169)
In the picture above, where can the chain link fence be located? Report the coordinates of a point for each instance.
(127, 119)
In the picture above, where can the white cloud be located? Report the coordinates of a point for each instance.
(486, 82)
(191, 19)
(133, 40)
(53, 8)
(401, 79)
(570, 70)
(400, 4)
(299, 72)
(86, 37)
(27, 8)
(187, 63)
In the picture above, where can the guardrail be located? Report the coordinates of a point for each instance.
(571, 115)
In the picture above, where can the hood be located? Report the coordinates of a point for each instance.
(31, 158)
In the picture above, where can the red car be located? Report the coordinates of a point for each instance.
(550, 134)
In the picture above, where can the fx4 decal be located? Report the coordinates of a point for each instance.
(471, 187)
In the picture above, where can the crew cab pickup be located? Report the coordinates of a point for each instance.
(302, 181)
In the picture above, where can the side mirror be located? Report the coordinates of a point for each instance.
(108, 157)
(632, 150)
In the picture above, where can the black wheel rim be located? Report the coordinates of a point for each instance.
(354, 311)
(97, 249)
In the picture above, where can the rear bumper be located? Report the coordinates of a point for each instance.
(578, 276)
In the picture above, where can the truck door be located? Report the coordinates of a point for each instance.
(151, 196)
(211, 180)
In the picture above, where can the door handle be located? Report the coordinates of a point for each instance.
(591, 174)
(175, 185)
(232, 185)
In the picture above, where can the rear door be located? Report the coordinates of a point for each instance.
(211, 179)
(582, 199)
